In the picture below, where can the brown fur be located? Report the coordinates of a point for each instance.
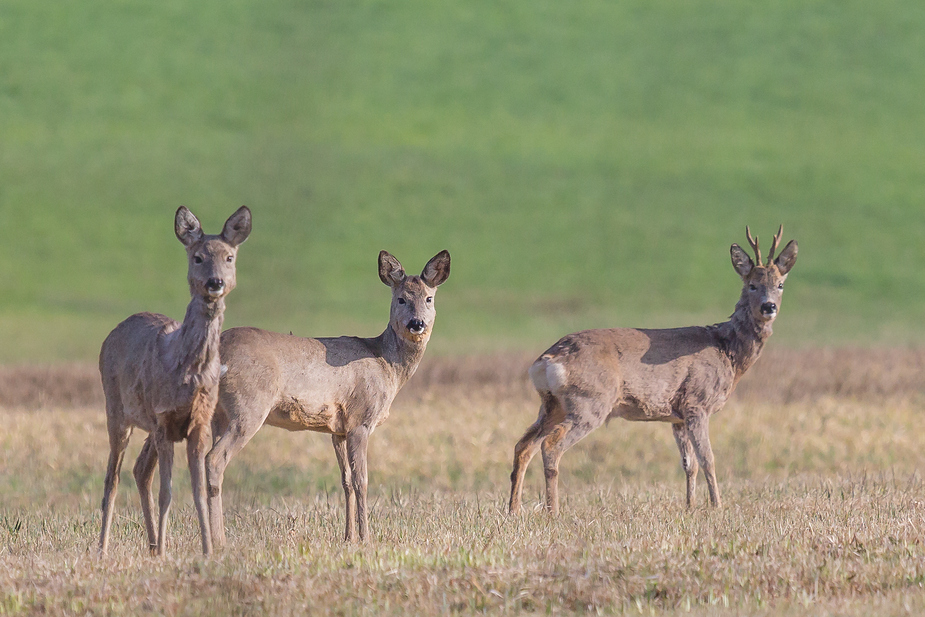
(162, 376)
(342, 386)
(680, 376)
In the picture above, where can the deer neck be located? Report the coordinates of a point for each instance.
(401, 355)
(195, 344)
(744, 337)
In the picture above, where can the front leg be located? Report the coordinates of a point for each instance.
(688, 460)
(346, 480)
(197, 442)
(698, 429)
(357, 442)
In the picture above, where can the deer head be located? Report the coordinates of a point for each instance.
(763, 284)
(211, 258)
(412, 312)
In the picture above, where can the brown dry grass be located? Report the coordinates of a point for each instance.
(820, 473)
(780, 376)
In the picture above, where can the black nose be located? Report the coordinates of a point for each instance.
(214, 284)
(416, 326)
(768, 308)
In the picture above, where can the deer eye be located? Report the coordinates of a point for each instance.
(780, 285)
(401, 300)
(430, 299)
(752, 288)
(197, 259)
(230, 258)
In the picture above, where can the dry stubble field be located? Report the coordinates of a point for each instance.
(819, 454)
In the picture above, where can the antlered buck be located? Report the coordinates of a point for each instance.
(343, 386)
(680, 375)
(162, 376)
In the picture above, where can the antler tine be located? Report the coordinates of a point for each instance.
(774, 244)
(754, 244)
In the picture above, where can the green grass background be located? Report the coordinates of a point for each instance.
(587, 164)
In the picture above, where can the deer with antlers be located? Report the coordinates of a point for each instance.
(681, 376)
(162, 376)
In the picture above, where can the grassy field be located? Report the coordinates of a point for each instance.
(824, 510)
(585, 164)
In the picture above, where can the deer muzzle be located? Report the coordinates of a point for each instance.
(417, 326)
(215, 287)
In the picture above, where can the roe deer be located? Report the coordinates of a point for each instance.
(343, 386)
(162, 376)
(680, 375)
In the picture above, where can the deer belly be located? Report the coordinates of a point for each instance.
(636, 412)
(295, 415)
(137, 417)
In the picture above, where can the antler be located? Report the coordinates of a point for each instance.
(754, 244)
(774, 244)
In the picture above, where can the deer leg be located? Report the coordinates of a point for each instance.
(688, 460)
(197, 442)
(526, 448)
(582, 418)
(119, 434)
(357, 442)
(144, 479)
(165, 461)
(698, 429)
(346, 480)
(232, 436)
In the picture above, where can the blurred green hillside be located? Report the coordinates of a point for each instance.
(586, 164)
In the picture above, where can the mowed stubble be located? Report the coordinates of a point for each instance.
(825, 512)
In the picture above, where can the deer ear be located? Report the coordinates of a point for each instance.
(238, 227)
(390, 271)
(437, 269)
(187, 226)
(787, 257)
(742, 263)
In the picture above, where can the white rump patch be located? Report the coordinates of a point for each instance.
(548, 375)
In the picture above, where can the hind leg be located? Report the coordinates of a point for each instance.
(550, 415)
(232, 429)
(165, 461)
(119, 433)
(144, 479)
(582, 415)
(688, 460)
